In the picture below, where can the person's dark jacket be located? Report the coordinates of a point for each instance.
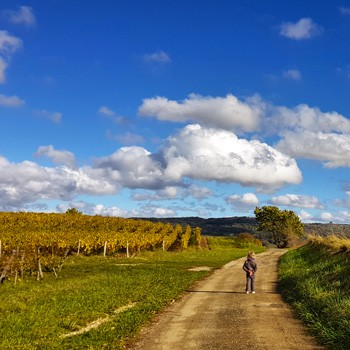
(250, 267)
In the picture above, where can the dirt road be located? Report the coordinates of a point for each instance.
(217, 314)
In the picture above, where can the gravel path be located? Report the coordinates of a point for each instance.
(217, 314)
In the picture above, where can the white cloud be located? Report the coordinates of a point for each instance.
(169, 192)
(221, 112)
(332, 149)
(100, 209)
(199, 192)
(10, 101)
(157, 57)
(106, 111)
(24, 15)
(305, 216)
(163, 212)
(305, 28)
(326, 216)
(339, 217)
(311, 134)
(243, 202)
(27, 182)
(306, 118)
(210, 154)
(134, 167)
(194, 152)
(3, 66)
(9, 44)
(58, 157)
(292, 74)
(92, 209)
(297, 201)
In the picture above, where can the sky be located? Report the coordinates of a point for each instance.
(172, 108)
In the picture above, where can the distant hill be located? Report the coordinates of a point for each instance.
(215, 226)
(235, 225)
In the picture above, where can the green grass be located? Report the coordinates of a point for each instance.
(316, 281)
(36, 315)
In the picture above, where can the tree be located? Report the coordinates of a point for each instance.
(284, 225)
(73, 211)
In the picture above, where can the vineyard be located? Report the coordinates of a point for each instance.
(33, 243)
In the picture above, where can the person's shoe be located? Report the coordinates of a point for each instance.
(253, 292)
(246, 292)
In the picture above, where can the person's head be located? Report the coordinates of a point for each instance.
(251, 255)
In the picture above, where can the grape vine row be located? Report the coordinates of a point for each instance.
(37, 242)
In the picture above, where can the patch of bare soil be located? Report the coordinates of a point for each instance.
(217, 314)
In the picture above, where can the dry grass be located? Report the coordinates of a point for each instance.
(332, 242)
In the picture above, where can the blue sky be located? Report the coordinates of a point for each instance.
(175, 108)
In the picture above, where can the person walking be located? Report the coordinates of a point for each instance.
(250, 267)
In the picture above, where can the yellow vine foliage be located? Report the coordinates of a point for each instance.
(27, 238)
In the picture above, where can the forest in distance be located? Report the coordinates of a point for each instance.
(235, 225)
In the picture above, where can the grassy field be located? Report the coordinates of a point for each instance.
(315, 279)
(97, 302)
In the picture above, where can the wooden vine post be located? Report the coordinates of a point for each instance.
(40, 271)
(105, 249)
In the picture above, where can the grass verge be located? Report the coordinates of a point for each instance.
(98, 303)
(315, 279)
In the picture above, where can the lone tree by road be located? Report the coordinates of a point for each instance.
(284, 225)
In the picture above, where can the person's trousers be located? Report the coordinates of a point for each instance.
(249, 287)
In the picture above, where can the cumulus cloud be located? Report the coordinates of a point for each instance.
(221, 112)
(10, 101)
(134, 167)
(93, 209)
(27, 182)
(332, 149)
(306, 118)
(292, 74)
(100, 209)
(326, 217)
(305, 28)
(309, 133)
(243, 202)
(297, 201)
(58, 157)
(211, 154)
(24, 15)
(153, 211)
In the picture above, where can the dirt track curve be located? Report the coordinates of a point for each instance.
(217, 314)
